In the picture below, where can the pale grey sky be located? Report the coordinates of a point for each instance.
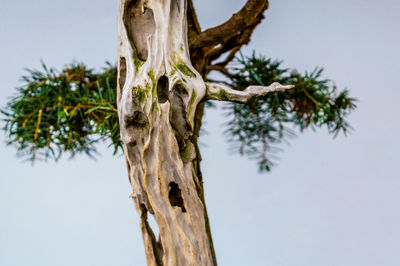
(328, 202)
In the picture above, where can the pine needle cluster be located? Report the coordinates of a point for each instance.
(256, 129)
(69, 111)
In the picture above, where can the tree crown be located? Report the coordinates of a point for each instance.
(69, 111)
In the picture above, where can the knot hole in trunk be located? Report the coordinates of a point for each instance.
(175, 196)
(178, 114)
(136, 119)
(140, 25)
(162, 89)
(121, 75)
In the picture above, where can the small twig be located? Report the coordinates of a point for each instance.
(38, 124)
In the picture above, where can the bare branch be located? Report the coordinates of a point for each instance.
(238, 22)
(193, 24)
(221, 92)
(234, 44)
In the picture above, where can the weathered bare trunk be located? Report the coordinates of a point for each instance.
(158, 93)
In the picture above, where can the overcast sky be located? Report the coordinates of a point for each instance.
(329, 202)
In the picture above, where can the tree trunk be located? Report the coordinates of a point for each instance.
(158, 93)
(160, 105)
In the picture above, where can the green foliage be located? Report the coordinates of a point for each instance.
(68, 111)
(256, 128)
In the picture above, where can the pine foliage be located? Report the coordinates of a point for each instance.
(68, 111)
(256, 129)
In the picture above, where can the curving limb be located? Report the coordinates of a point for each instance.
(238, 22)
(221, 92)
(193, 24)
(209, 45)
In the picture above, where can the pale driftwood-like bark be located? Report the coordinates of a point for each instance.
(222, 92)
(158, 93)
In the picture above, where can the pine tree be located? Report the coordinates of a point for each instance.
(151, 108)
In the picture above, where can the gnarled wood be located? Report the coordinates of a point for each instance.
(160, 95)
(221, 92)
(158, 98)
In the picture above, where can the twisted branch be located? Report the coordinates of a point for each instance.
(230, 36)
(221, 92)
